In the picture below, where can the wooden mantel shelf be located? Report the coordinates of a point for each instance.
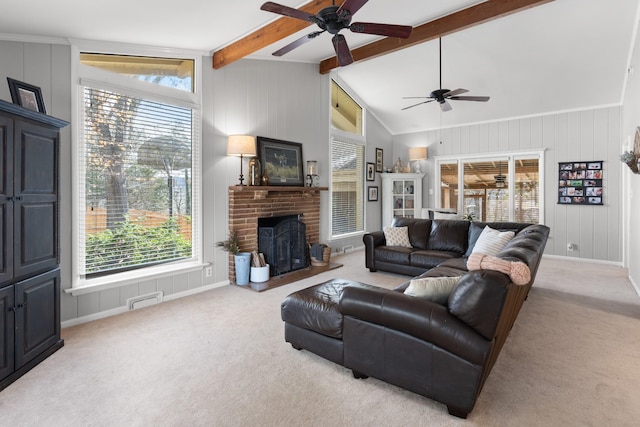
(260, 192)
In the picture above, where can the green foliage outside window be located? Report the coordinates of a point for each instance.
(132, 244)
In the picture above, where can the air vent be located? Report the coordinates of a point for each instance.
(142, 301)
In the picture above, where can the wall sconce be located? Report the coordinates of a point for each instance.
(417, 154)
(241, 145)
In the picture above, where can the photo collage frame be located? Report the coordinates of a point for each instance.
(580, 183)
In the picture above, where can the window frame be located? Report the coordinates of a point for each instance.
(352, 138)
(511, 157)
(84, 75)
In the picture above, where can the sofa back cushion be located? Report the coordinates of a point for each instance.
(478, 299)
(418, 230)
(475, 229)
(450, 236)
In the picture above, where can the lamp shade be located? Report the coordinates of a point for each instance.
(241, 145)
(417, 153)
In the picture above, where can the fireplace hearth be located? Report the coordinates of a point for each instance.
(282, 240)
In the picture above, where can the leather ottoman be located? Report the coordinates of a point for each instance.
(313, 321)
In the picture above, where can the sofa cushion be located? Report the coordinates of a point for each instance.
(429, 259)
(450, 236)
(419, 229)
(393, 254)
(491, 241)
(436, 289)
(475, 229)
(478, 298)
(397, 236)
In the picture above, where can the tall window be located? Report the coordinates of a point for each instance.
(346, 113)
(347, 194)
(138, 167)
(496, 188)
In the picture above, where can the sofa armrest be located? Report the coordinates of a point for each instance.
(417, 317)
(371, 241)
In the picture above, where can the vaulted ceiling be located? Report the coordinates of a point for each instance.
(557, 56)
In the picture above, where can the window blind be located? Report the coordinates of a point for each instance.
(347, 188)
(137, 193)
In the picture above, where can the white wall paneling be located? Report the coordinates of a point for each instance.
(592, 134)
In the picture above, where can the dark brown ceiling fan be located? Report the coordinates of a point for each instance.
(334, 19)
(443, 95)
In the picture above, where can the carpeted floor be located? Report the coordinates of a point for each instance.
(219, 359)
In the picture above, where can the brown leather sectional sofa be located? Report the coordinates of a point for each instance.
(443, 352)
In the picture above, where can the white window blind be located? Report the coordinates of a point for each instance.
(347, 188)
(137, 168)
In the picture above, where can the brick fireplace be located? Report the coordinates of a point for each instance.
(248, 203)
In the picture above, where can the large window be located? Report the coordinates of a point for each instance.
(137, 165)
(501, 187)
(347, 175)
(346, 113)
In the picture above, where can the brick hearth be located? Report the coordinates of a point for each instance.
(247, 204)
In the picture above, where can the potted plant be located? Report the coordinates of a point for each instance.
(242, 260)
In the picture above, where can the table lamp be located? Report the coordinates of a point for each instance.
(416, 154)
(241, 145)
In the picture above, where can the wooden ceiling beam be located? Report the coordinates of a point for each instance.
(263, 37)
(457, 21)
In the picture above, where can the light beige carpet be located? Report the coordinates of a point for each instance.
(219, 359)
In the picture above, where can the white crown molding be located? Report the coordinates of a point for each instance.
(23, 38)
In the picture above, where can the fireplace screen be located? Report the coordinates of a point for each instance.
(282, 240)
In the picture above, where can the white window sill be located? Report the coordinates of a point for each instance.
(98, 284)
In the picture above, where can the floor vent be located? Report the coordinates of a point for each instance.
(142, 301)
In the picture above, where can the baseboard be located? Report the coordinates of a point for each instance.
(589, 260)
(119, 310)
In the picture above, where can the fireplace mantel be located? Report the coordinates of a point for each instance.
(261, 192)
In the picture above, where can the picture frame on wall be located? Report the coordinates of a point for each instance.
(372, 193)
(281, 161)
(371, 171)
(26, 95)
(580, 183)
(379, 160)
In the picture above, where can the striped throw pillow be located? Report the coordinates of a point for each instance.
(491, 241)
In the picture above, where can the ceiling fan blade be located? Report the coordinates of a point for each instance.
(470, 98)
(352, 6)
(302, 40)
(445, 106)
(287, 11)
(415, 105)
(389, 30)
(342, 50)
(455, 92)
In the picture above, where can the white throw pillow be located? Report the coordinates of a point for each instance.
(436, 289)
(491, 241)
(397, 236)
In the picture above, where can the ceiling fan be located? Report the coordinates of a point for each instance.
(333, 19)
(443, 95)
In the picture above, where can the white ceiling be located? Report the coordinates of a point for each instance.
(563, 55)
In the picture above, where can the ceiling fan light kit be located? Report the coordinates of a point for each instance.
(333, 19)
(443, 95)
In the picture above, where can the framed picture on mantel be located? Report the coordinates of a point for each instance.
(281, 161)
